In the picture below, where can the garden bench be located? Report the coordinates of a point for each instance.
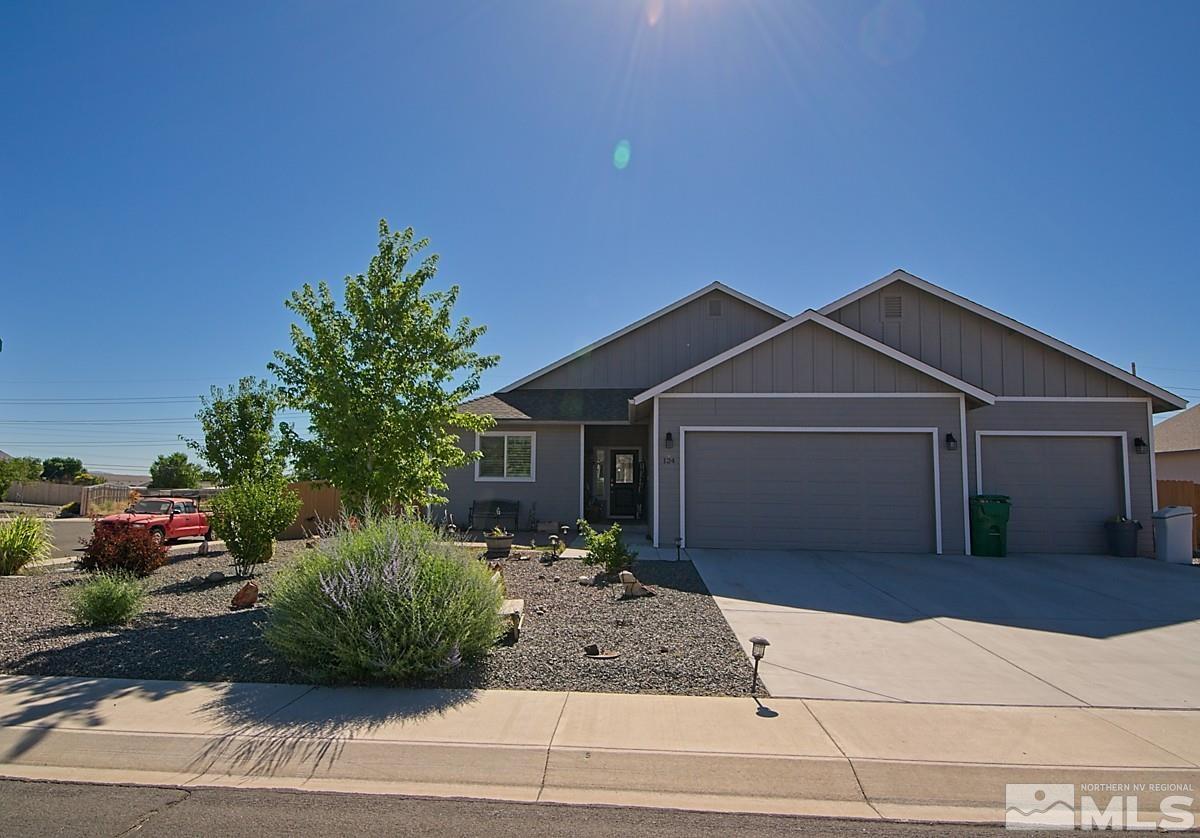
(486, 514)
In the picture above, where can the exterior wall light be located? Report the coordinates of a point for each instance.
(758, 650)
(678, 545)
(1139, 445)
(951, 443)
(669, 441)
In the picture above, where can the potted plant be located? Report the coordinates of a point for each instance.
(1122, 536)
(499, 542)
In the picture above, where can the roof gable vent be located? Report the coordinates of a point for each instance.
(893, 307)
(714, 307)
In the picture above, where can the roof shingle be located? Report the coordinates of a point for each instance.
(607, 405)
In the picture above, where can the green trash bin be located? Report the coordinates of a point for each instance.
(989, 525)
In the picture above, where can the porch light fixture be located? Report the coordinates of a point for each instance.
(669, 441)
(951, 443)
(1139, 445)
(758, 650)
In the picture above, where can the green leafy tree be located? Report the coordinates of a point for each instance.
(18, 468)
(61, 469)
(240, 440)
(248, 516)
(382, 378)
(174, 471)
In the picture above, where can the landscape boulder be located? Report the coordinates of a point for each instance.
(246, 596)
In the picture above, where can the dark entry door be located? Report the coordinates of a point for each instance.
(622, 497)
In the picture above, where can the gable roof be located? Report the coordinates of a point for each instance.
(4, 456)
(1162, 395)
(811, 316)
(591, 347)
(1179, 433)
(601, 405)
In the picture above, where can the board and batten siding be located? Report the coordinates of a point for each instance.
(813, 412)
(974, 348)
(1076, 416)
(555, 490)
(662, 348)
(811, 359)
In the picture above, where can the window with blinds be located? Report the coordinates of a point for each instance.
(505, 456)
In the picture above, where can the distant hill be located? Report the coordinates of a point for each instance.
(131, 479)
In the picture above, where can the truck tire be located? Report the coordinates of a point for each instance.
(159, 535)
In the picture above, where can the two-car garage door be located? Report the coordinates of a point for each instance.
(870, 491)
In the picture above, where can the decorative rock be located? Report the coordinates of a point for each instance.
(591, 649)
(215, 576)
(203, 550)
(246, 596)
(512, 611)
(596, 653)
(557, 578)
(311, 542)
(196, 580)
(633, 588)
(664, 648)
(585, 580)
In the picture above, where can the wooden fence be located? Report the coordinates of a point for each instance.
(1182, 493)
(105, 493)
(43, 492)
(318, 504)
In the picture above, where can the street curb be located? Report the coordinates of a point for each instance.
(815, 786)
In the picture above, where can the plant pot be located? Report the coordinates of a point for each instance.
(498, 547)
(1122, 538)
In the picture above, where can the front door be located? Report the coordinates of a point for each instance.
(622, 495)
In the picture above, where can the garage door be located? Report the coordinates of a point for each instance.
(809, 491)
(1062, 489)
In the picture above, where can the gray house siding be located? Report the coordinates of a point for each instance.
(555, 491)
(938, 412)
(1073, 416)
(663, 347)
(974, 348)
(810, 358)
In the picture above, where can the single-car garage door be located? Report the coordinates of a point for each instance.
(1063, 488)
(809, 490)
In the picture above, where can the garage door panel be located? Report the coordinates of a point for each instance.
(813, 491)
(1062, 489)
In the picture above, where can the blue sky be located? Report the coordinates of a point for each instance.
(169, 172)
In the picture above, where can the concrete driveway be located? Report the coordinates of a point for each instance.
(1024, 630)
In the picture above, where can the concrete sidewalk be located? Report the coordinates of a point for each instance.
(813, 757)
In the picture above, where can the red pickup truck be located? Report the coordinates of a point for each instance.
(166, 518)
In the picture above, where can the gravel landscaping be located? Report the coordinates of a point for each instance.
(675, 642)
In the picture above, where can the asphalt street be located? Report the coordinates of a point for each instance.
(29, 808)
(68, 532)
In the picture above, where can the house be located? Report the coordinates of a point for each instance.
(1177, 446)
(866, 425)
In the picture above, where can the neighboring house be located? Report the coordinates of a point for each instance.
(1177, 446)
(4, 456)
(865, 425)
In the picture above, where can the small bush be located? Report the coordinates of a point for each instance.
(131, 549)
(22, 540)
(108, 598)
(389, 601)
(248, 515)
(606, 548)
(69, 510)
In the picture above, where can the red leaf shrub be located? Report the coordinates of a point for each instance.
(132, 549)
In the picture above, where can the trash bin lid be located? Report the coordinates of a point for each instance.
(994, 499)
(1173, 511)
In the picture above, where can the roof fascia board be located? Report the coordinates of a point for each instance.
(811, 316)
(649, 318)
(1017, 326)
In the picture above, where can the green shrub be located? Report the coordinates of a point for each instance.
(108, 598)
(248, 515)
(22, 540)
(606, 548)
(69, 510)
(120, 547)
(388, 601)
